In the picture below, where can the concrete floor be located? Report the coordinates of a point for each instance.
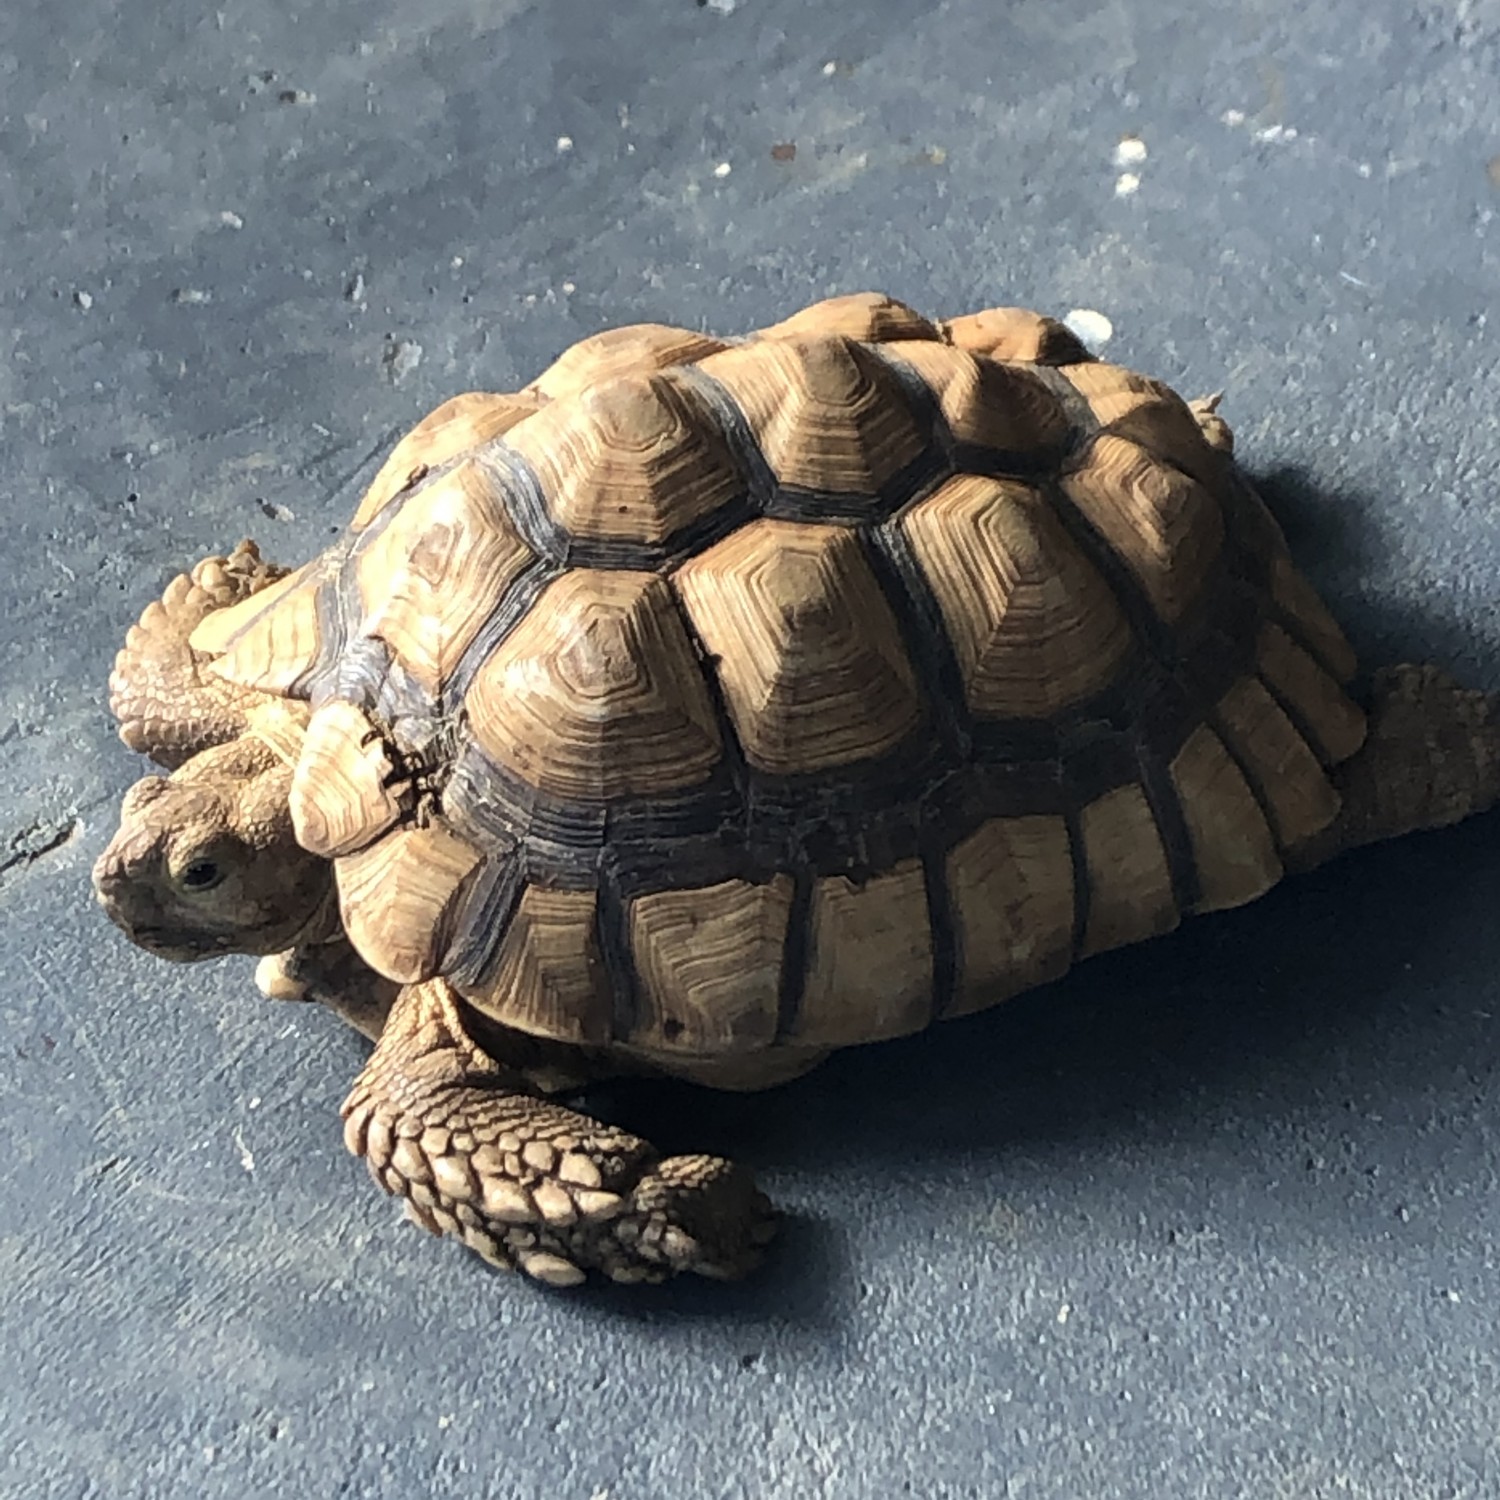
(1212, 1218)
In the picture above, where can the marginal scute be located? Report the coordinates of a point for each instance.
(1130, 882)
(1010, 883)
(1034, 626)
(458, 425)
(433, 577)
(216, 631)
(870, 317)
(635, 458)
(828, 413)
(597, 694)
(709, 962)
(401, 897)
(1317, 703)
(549, 978)
(279, 643)
(1014, 333)
(869, 959)
(1297, 597)
(805, 647)
(1004, 408)
(1300, 799)
(1167, 528)
(634, 349)
(342, 797)
(1148, 412)
(1233, 848)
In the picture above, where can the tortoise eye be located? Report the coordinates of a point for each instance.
(201, 875)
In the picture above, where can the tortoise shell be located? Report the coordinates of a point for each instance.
(713, 696)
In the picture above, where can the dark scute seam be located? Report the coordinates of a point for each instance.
(795, 954)
(942, 926)
(612, 932)
(473, 956)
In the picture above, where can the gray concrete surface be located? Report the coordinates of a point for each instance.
(1213, 1218)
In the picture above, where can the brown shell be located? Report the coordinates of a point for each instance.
(741, 698)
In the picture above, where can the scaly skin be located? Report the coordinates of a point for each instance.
(523, 1181)
(443, 1113)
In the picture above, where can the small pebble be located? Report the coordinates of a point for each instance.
(83, 301)
(723, 169)
(564, 143)
(1130, 152)
(401, 357)
(1126, 184)
(354, 291)
(191, 296)
(231, 220)
(1091, 328)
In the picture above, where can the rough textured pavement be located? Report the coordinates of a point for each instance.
(1212, 1218)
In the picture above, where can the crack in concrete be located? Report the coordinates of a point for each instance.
(36, 841)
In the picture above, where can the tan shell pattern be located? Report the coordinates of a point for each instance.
(713, 695)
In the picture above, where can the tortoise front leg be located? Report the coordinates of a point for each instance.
(1431, 757)
(167, 706)
(527, 1183)
(333, 974)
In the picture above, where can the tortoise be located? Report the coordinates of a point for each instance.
(711, 704)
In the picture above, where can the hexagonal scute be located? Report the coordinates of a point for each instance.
(1034, 626)
(870, 317)
(808, 653)
(439, 570)
(828, 413)
(636, 458)
(987, 404)
(459, 424)
(1149, 412)
(597, 693)
(634, 350)
(1168, 529)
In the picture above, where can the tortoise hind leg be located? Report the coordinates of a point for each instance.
(527, 1183)
(167, 707)
(1431, 757)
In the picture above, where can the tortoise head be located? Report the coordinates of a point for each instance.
(205, 861)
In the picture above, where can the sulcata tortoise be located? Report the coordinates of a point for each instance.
(711, 704)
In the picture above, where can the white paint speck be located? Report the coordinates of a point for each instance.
(1364, 169)
(723, 169)
(1091, 328)
(231, 220)
(569, 287)
(456, 263)
(1065, 1312)
(829, 69)
(1130, 152)
(1273, 134)
(564, 143)
(1126, 184)
(247, 1161)
(191, 296)
(1232, 118)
